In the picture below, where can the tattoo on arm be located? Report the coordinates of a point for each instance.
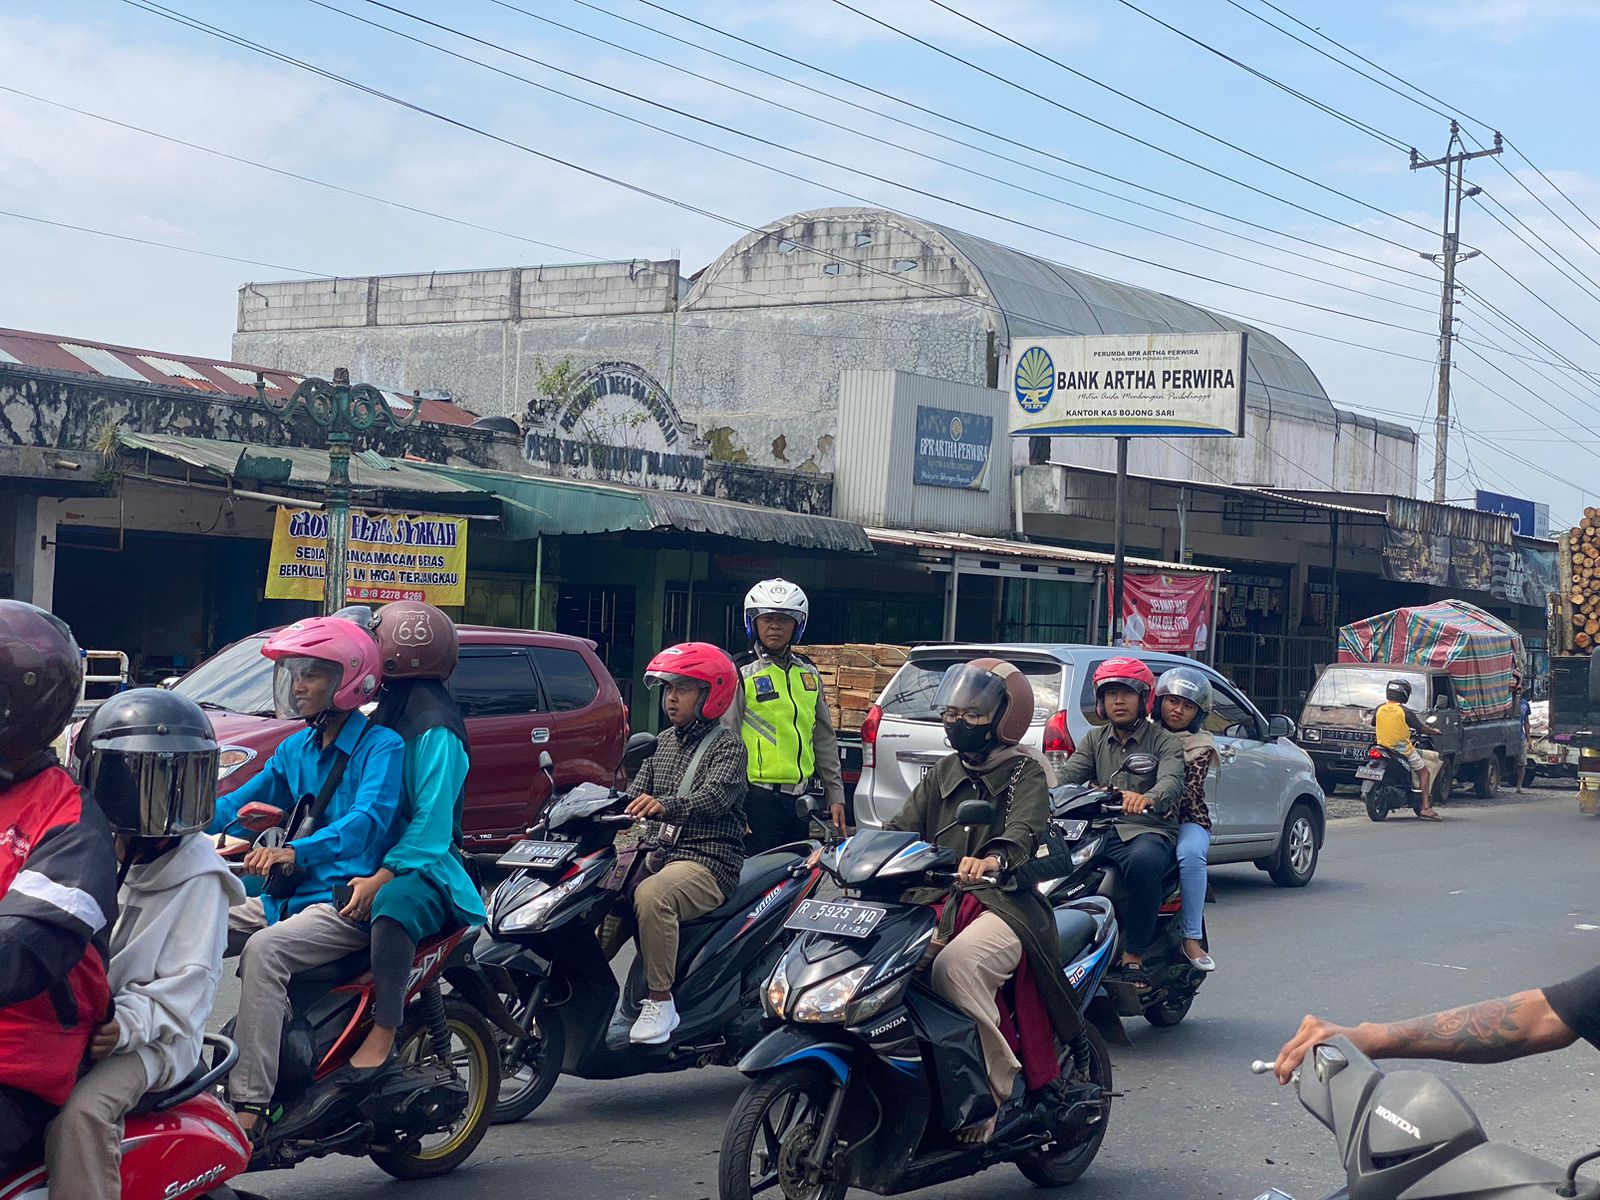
(1489, 1032)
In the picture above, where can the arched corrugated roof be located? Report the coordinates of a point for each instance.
(1028, 296)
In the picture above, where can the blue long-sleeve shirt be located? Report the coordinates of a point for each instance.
(362, 819)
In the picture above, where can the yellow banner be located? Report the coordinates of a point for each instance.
(409, 557)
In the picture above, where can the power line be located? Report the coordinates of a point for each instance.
(128, 237)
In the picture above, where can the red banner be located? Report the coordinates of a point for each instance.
(1166, 612)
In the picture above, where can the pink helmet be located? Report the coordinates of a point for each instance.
(344, 645)
(701, 664)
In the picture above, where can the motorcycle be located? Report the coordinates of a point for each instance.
(1081, 822)
(869, 1074)
(1409, 1133)
(425, 1116)
(181, 1142)
(1387, 784)
(544, 938)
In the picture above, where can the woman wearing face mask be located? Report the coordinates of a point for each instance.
(987, 935)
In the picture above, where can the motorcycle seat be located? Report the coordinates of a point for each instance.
(1075, 930)
(757, 876)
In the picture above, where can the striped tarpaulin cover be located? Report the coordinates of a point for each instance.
(1481, 652)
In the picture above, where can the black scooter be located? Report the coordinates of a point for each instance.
(870, 1073)
(1387, 784)
(1409, 1133)
(544, 938)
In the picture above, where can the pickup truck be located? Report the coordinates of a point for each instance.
(1336, 726)
(521, 692)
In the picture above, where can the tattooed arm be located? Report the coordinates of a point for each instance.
(1493, 1031)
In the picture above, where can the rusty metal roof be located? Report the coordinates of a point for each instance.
(47, 352)
(966, 543)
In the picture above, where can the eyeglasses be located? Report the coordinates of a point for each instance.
(970, 715)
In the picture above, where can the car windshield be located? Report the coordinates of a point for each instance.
(1350, 687)
(239, 679)
(911, 695)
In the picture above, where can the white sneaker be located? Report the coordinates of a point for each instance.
(657, 1020)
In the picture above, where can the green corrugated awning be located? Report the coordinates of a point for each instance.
(294, 466)
(537, 504)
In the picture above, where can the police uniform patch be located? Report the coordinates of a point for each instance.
(810, 681)
(765, 688)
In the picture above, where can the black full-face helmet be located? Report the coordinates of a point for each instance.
(149, 759)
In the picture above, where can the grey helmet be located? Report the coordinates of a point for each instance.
(1186, 683)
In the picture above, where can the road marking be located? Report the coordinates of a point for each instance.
(1458, 891)
(1587, 928)
(1445, 966)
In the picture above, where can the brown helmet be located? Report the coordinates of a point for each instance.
(41, 676)
(991, 686)
(415, 641)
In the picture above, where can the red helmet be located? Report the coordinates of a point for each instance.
(701, 664)
(1123, 672)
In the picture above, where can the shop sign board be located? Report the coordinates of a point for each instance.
(1141, 385)
(391, 556)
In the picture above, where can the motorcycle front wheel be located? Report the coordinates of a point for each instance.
(1058, 1165)
(475, 1060)
(770, 1132)
(529, 1067)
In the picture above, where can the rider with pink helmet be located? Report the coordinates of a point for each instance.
(339, 786)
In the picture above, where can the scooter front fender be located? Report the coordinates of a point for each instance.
(791, 1044)
(497, 954)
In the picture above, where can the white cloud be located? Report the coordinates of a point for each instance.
(1504, 20)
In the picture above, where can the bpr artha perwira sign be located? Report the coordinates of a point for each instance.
(953, 449)
(1144, 385)
(391, 557)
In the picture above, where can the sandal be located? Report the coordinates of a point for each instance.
(977, 1135)
(266, 1115)
(1430, 815)
(1138, 976)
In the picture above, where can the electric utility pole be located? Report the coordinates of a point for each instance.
(1455, 158)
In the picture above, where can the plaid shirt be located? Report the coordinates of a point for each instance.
(711, 816)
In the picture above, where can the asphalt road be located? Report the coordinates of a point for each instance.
(1402, 918)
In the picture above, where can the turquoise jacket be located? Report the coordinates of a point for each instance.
(435, 783)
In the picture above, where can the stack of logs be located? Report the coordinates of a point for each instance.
(853, 677)
(1584, 544)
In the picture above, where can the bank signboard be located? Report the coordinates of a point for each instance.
(953, 449)
(391, 556)
(1141, 385)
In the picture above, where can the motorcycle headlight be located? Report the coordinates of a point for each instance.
(829, 1000)
(231, 758)
(777, 994)
(878, 999)
(536, 910)
(1085, 852)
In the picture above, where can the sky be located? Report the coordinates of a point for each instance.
(513, 160)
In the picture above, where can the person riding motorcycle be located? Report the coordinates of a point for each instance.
(1183, 702)
(1148, 829)
(1393, 726)
(985, 935)
(423, 887)
(58, 884)
(149, 759)
(340, 781)
(781, 712)
(695, 783)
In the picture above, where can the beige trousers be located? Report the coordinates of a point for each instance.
(83, 1146)
(272, 953)
(680, 891)
(967, 973)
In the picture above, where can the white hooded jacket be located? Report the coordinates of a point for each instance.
(166, 955)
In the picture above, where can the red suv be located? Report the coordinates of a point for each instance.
(521, 692)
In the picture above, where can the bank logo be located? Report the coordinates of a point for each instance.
(955, 429)
(1035, 380)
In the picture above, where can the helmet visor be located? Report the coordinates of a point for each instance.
(304, 687)
(146, 793)
(971, 692)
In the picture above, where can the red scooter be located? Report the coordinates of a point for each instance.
(181, 1143)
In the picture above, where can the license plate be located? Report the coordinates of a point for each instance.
(1070, 830)
(1373, 772)
(1355, 752)
(835, 917)
(537, 856)
(926, 767)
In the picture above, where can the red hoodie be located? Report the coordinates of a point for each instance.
(58, 880)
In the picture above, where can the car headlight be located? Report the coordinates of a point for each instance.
(829, 1000)
(1085, 852)
(537, 909)
(1311, 735)
(231, 758)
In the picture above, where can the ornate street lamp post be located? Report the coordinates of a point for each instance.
(343, 409)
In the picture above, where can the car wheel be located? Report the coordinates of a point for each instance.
(1297, 849)
(1486, 781)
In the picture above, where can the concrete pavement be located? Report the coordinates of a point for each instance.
(1402, 918)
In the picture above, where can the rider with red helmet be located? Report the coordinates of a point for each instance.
(1148, 831)
(695, 781)
(58, 884)
(340, 784)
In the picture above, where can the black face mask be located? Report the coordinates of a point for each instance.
(969, 739)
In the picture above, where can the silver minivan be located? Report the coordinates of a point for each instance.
(1266, 807)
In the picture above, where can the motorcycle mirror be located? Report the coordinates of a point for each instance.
(1140, 764)
(640, 747)
(975, 812)
(548, 766)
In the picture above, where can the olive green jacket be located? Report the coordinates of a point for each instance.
(1016, 787)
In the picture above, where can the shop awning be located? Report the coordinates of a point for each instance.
(294, 466)
(970, 547)
(541, 505)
